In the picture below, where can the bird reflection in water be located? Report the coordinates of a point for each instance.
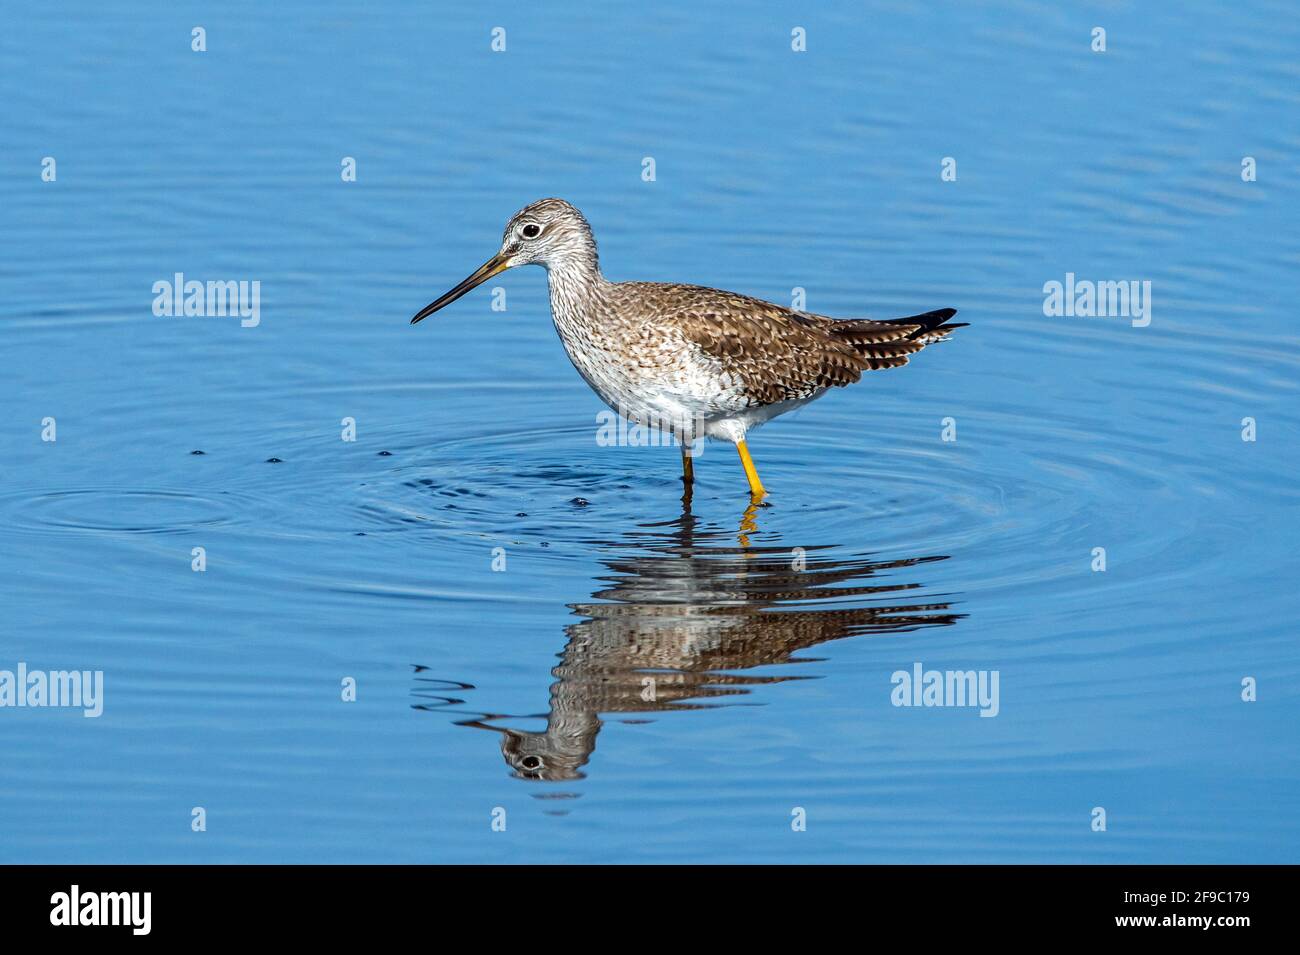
(684, 611)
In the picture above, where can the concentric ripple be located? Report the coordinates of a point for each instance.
(123, 511)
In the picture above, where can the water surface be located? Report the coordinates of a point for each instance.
(636, 681)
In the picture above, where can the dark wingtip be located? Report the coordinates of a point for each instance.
(928, 321)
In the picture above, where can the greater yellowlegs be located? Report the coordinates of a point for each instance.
(698, 362)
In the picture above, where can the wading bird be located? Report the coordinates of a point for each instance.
(699, 361)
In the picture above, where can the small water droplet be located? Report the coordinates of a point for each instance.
(385, 454)
(198, 452)
(521, 514)
(546, 543)
(580, 502)
(274, 461)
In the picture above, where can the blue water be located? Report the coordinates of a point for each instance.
(769, 638)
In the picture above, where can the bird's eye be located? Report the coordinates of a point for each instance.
(530, 762)
(532, 231)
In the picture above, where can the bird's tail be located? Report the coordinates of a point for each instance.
(933, 326)
(888, 344)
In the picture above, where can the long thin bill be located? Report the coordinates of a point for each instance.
(491, 267)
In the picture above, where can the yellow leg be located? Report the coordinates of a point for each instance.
(755, 485)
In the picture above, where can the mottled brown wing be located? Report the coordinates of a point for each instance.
(773, 353)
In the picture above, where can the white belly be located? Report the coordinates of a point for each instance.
(690, 402)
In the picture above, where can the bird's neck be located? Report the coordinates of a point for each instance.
(576, 286)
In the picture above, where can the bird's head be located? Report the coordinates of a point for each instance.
(549, 232)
